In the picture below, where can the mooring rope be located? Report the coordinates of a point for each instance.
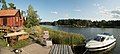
(85, 51)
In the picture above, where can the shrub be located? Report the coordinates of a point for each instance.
(35, 31)
(21, 43)
(3, 43)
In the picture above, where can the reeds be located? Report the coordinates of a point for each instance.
(59, 37)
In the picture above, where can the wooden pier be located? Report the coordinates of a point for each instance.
(60, 49)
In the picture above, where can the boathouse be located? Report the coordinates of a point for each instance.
(11, 18)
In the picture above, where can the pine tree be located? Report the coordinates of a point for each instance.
(4, 5)
(32, 17)
(11, 5)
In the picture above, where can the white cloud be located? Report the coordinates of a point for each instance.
(108, 13)
(96, 4)
(115, 13)
(77, 10)
(104, 12)
(54, 12)
(67, 16)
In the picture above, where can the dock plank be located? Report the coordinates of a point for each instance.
(61, 49)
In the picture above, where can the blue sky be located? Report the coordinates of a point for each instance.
(52, 10)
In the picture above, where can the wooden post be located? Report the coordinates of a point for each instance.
(46, 35)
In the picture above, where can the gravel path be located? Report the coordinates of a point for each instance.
(30, 49)
(35, 49)
(6, 50)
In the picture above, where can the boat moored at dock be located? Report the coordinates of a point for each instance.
(101, 42)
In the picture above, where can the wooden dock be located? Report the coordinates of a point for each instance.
(60, 49)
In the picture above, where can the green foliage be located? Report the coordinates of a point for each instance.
(1, 34)
(21, 43)
(3, 43)
(35, 31)
(73, 22)
(61, 37)
(58, 37)
(85, 23)
(11, 5)
(4, 5)
(32, 17)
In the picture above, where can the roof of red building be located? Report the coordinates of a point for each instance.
(8, 12)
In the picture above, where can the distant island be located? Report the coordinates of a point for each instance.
(84, 23)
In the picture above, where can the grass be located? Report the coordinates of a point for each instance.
(58, 37)
(3, 43)
(21, 43)
(62, 37)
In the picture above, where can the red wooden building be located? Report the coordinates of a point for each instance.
(11, 18)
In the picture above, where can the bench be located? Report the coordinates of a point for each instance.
(61, 49)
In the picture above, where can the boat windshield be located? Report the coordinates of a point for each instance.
(99, 38)
(106, 34)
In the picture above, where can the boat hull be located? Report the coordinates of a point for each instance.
(107, 47)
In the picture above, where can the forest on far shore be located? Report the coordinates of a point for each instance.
(85, 23)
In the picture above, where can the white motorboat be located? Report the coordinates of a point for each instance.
(101, 42)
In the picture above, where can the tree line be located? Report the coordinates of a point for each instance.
(85, 23)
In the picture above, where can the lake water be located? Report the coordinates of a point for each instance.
(91, 32)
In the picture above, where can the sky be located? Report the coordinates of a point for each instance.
(53, 10)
